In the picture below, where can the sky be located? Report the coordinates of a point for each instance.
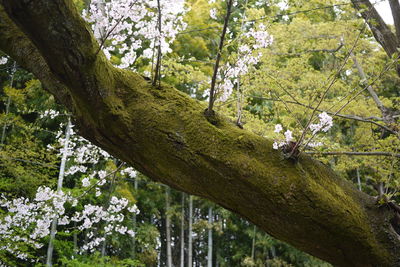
(384, 10)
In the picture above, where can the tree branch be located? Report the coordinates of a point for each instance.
(352, 153)
(380, 30)
(344, 116)
(395, 7)
(219, 54)
(371, 91)
(164, 134)
(333, 50)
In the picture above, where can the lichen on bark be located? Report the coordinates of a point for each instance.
(165, 135)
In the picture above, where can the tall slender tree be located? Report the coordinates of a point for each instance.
(50, 248)
(168, 225)
(210, 238)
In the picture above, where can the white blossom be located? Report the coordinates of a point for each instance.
(213, 13)
(86, 182)
(325, 123)
(130, 21)
(248, 56)
(288, 136)
(3, 60)
(50, 113)
(278, 128)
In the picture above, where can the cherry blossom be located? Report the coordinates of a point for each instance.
(131, 21)
(3, 60)
(325, 123)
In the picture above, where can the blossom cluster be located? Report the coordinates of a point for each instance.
(51, 113)
(248, 55)
(3, 60)
(126, 23)
(92, 216)
(288, 137)
(325, 123)
(28, 221)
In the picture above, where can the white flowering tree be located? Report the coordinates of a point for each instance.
(164, 134)
(128, 28)
(27, 224)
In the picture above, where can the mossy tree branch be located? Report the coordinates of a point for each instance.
(165, 135)
(382, 33)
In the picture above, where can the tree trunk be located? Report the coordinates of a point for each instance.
(164, 134)
(359, 180)
(182, 254)
(210, 238)
(75, 239)
(253, 243)
(50, 248)
(8, 103)
(135, 186)
(382, 33)
(190, 234)
(168, 226)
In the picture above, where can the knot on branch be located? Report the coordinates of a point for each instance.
(291, 151)
(211, 117)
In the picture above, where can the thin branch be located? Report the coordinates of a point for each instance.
(114, 172)
(3, 133)
(216, 66)
(388, 66)
(371, 91)
(157, 72)
(324, 94)
(344, 116)
(113, 28)
(352, 153)
(311, 51)
(239, 90)
(304, 11)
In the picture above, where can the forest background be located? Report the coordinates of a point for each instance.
(275, 65)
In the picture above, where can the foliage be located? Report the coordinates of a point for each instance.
(276, 69)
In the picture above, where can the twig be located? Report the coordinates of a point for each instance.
(366, 87)
(344, 116)
(157, 72)
(112, 29)
(239, 91)
(369, 87)
(216, 66)
(97, 183)
(325, 93)
(352, 153)
(3, 133)
(311, 51)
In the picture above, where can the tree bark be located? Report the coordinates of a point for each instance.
(182, 251)
(50, 248)
(168, 226)
(382, 33)
(134, 220)
(164, 134)
(190, 233)
(395, 8)
(210, 238)
(253, 243)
